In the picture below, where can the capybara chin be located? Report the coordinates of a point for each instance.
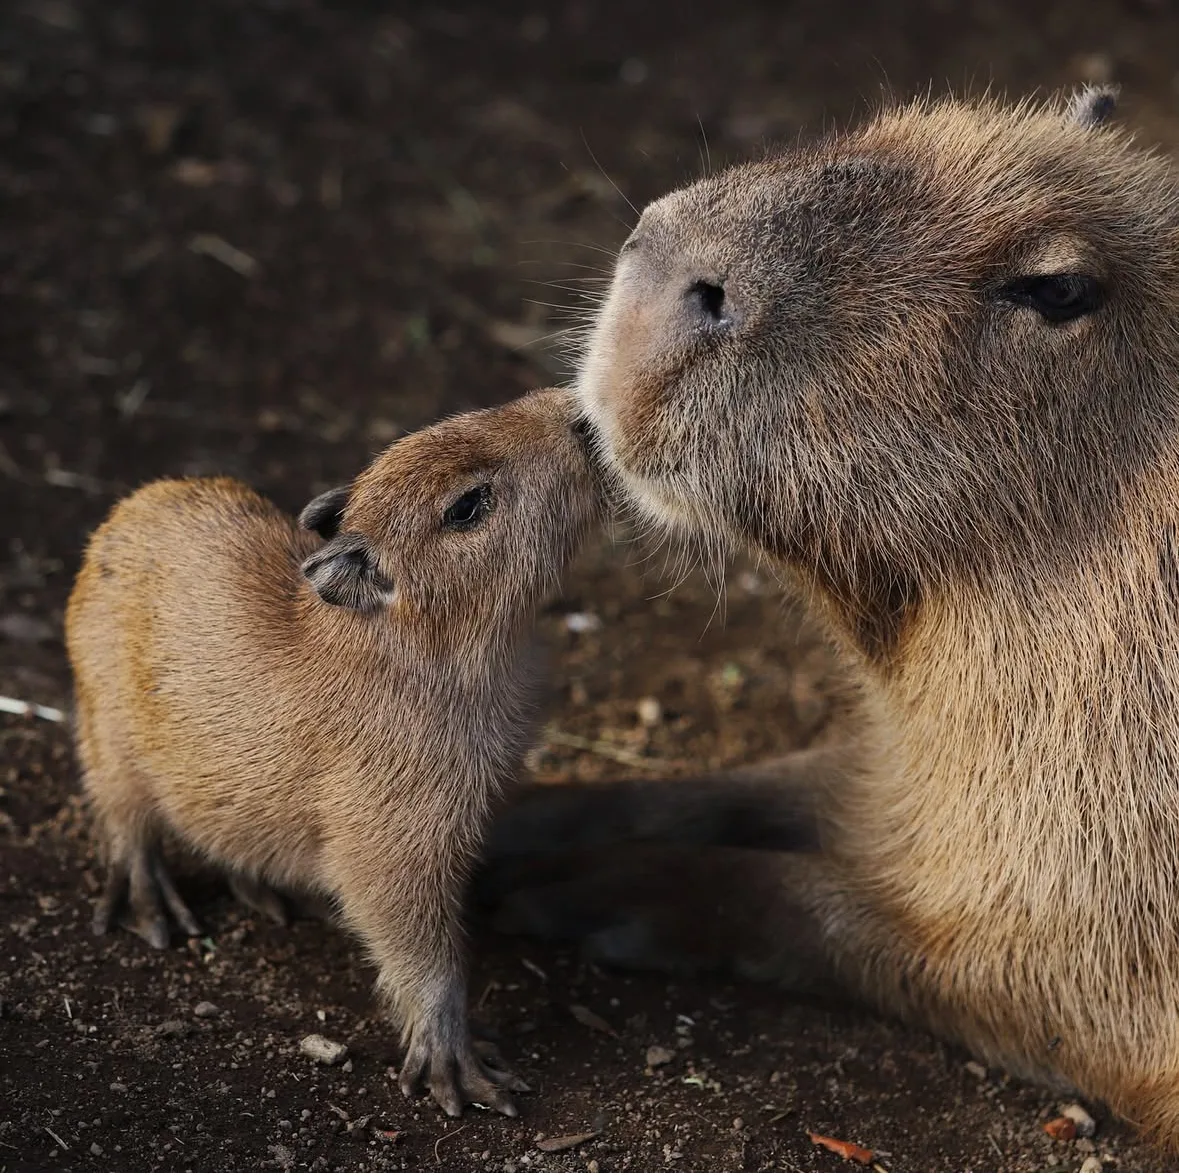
(336, 710)
(931, 366)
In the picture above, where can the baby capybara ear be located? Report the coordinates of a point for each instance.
(324, 513)
(344, 572)
(1093, 105)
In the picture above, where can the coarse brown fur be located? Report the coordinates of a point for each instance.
(336, 716)
(832, 357)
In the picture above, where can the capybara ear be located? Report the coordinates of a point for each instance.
(1093, 105)
(345, 573)
(324, 513)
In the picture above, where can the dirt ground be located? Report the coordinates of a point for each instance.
(266, 238)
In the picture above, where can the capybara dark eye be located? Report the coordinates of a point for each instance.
(1056, 297)
(469, 510)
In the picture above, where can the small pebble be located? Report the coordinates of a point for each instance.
(319, 1048)
(1095, 67)
(658, 1055)
(650, 711)
(118, 1087)
(101, 124)
(592, 1165)
(1086, 1126)
(283, 1155)
(205, 1010)
(172, 1028)
(347, 1066)
(1092, 1163)
(582, 622)
(738, 1123)
(976, 1070)
(95, 1149)
(633, 71)
(17, 626)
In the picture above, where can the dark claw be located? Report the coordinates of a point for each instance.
(153, 930)
(507, 1079)
(493, 1066)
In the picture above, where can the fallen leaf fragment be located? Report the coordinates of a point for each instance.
(565, 1142)
(387, 1135)
(1061, 1129)
(845, 1150)
(194, 173)
(583, 1015)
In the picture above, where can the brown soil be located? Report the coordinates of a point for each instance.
(266, 238)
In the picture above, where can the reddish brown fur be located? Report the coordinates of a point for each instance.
(350, 750)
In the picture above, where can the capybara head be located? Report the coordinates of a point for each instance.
(947, 339)
(470, 521)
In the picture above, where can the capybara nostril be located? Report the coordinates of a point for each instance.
(707, 305)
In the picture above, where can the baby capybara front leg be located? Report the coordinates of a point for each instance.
(409, 918)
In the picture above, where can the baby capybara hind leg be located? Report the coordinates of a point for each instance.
(137, 877)
(256, 895)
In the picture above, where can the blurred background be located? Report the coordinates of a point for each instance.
(267, 239)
